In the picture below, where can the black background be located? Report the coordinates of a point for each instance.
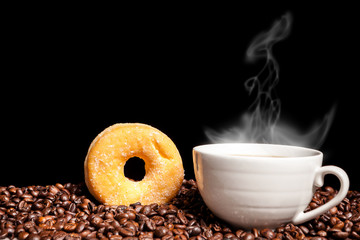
(67, 75)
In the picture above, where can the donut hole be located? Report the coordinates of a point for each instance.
(134, 169)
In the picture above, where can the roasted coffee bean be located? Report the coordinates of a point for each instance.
(193, 230)
(45, 218)
(91, 235)
(126, 232)
(318, 238)
(96, 221)
(356, 227)
(304, 229)
(131, 215)
(348, 226)
(109, 215)
(322, 233)
(72, 207)
(230, 236)
(64, 197)
(320, 226)
(356, 218)
(61, 212)
(162, 211)
(182, 217)
(340, 234)
(177, 231)
(161, 231)
(146, 210)
(80, 227)
(4, 233)
(150, 224)
(355, 235)
(131, 225)
(180, 237)
(267, 233)
(33, 236)
(23, 235)
(59, 225)
(339, 225)
(38, 206)
(59, 235)
(116, 237)
(333, 210)
(248, 236)
(69, 227)
(4, 199)
(158, 220)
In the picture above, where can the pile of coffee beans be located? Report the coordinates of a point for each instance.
(68, 212)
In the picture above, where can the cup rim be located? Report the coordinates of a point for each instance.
(204, 149)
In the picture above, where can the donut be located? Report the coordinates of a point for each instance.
(110, 150)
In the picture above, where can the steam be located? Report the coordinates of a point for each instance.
(261, 123)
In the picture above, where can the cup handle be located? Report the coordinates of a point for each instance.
(319, 182)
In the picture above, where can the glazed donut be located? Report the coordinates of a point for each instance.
(108, 153)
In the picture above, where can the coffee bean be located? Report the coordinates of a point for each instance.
(23, 206)
(4, 199)
(146, 210)
(150, 224)
(158, 220)
(109, 215)
(59, 235)
(348, 226)
(178, 231)
(96, 221)
(33, 236)
(161, 231)
(287, 236)
(23, 235)
(320, 226)
(340, 234)
(322, 233)
(313, 205)
(248, 236)
(162, 211)
(60, 212)
(69, 227)
(45, 218)
(180, 237)
(3, 233)
(120, 216)
(59, 225)
(339, 225)
(38, 206)
(355, 235)
(116, 237)
(318, 238)
(80, 227)
(182, 217)
(126, 232)
(64, 197)
(356, 218)
(267, 233)
(229, 236)
(193, 230)
(333, 210)
(91, 235)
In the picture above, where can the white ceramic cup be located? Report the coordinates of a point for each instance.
(262, 185)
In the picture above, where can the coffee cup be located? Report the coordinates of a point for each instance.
(263, 185)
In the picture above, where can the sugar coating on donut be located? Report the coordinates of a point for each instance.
(108, 153)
